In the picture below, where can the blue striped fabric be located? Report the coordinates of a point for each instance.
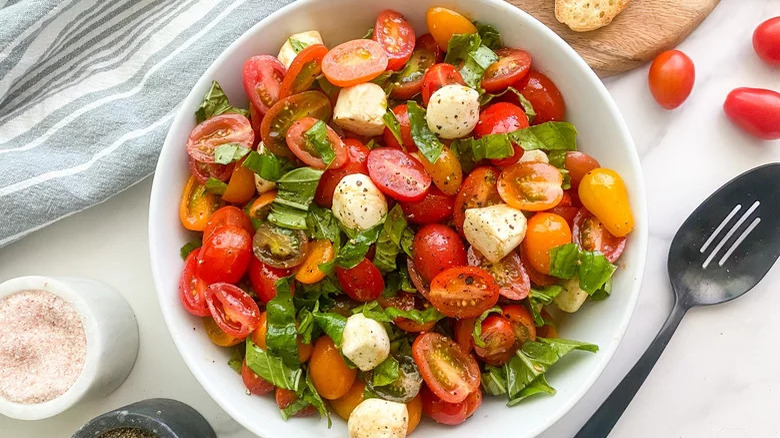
(88, 89)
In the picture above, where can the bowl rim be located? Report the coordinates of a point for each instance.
(639, 207)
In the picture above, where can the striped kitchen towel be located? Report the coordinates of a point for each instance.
(88, 89)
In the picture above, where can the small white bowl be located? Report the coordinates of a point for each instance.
(112, 341)
(602, 133)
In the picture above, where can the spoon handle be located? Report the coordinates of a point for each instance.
(604, 419)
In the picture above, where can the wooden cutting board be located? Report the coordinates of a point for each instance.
(644, 29)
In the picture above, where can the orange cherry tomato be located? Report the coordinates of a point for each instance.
(414, 408)
(258, 337)
(354, 62)
(344, 405)
(478, 190)
(241, 187)
(446, 172)
(443, 23)
(303, 148)
(603, 192)
(522, 323)
(319, 252)
(671, 78)
(217, 336)
(545, 232)
(303, 71)
(548, 330)
(196, 205)
(463, 292)
(531, 186)
(257, 209)
(328, 371)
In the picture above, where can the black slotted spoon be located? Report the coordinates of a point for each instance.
(720, 252)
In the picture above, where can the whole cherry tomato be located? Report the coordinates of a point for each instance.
(449, 413)
(263, 278)
(362, 283)
(438, 76)
(435, 207)
(402, 115)
(437, 248)
(443, 23)
(671, 78)
(755, 110)
(329, 372)
(578, 164)
(544, 97)
(545, 232)
(225, 255)
(502, 118)
(766, 41)
(604, 194)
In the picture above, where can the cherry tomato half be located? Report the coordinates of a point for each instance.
(578, 164)
(216, 335)
(396, 36)
(279, 247)
(234, 311)
(225, 255)
(262, 76)
(192, 289)
(354, 62)
(509, 273)
(502, 118)
(438, 76)
(544, 97)
(285, 397)
(203, 171)
(531, 186)
(196, 205)
(522, 323)
(462, 331)
(303, 148)
(406, 301)
(357, 154)
(409, 81)
(437, 248)
(443, 23)
(671, 78)
(254, 383)
(435, 207)
(463, 292)
(427, 42)
(264, 277)
(512, 66)
(766, 41)
(303, 71)
(320, 251)
(402, 115)
(284, 113)
(449, 373)
(449, 413)
(590, 235)
(398, 175)
(545, 232)
(362, 283)
(217, 131)
(478, 190)
(499, 339)
(755, 110)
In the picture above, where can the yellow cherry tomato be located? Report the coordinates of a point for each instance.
(196, 205)
(446, 172)
(329, 372)
(241, 186)
(319, 251)
(347, 403)
(216, 334)
(603, 192)
(414, 407)
(443, 23)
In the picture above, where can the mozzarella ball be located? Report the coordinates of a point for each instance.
(535, 156)
(377, 418)
(360, 109)
(287, 53)
(453, 111)
(571, 297)
(357, 202)
(495, 230)
(365, 342)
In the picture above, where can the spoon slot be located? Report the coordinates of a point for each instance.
(729, 234)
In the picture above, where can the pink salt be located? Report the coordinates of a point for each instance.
(42, 346)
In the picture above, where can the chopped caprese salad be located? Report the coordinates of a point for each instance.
(392, 227)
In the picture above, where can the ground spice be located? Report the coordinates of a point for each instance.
(42, 346)
(126, 432)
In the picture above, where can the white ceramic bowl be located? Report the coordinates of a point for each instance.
(602, 134)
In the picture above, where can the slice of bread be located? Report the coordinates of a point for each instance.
(585, 15)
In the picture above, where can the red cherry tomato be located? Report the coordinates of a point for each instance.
(409, 81)
(357, 155)
(671, 78)
(755, 110)
(449, 373)
(421, 285)
(478, 190)
(362, 283)
(766, 41)
(499, 339)
(502, 118)
(234, 311)
(544, 96)
(437, 248)
(398, 175)
(435, 207)
(228, 215)
(285, 397)
(578, 164)
(262, 76)
(462, 330)
(300, 145)
(449, 413)
(521, 322)
(511, 67)
(463, 292)
(303, 71)
(203, 171)
(192, 290)
(284, 113)
(354, 62)
(406, 301)
(217, 131)
(592, 236)
(264, 277)
(254, 383)
(396, 36)
(427, 42)
(438, 76)
(402, 115)
(256, 119)
(509, 273)
(225, 255)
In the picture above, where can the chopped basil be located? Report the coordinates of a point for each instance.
(230, 152)
(215, 186)
(297, 45)
(215, 102)
(369, 34)
(427, 142)
(188, 247)
(476, 334)
(355, 249)
(282, 335)
(547, 136)
(395, 128)
(394, 237)
(385, 80)
(490, 35)
(272, 368)
(295, 193)
(375, 311)
(386, 372)
(539, 298)
(317, 136)
(563, 260)
(528, 107)
(467, 50)
(471, 151)
(310, 395)
(305, 325)
(603, 293)
(267, 165)
(332, 324)
(322, 224)
(398, 280)
(592, 267)
(237, 358)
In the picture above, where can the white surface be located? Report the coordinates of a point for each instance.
(718, 377)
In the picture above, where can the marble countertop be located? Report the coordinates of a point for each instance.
(718, 377)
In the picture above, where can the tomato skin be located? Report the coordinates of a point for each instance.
(406, 301)
(225, 255)
(302, 148)
(545, 232)
(344, 405)
(228, 215)
(396, 36)
(283, 114)
(357, 155)
(241, 187)
(499, 340)
(671, 78)
(578, 164)
(545, 97)
(234, 311)
(362, 283)
(502, 118)
(463, 292)
(478, 190)
(192, 290)
(328, 371)
(217, 131)
(319, 251)
(449, 413)
(446, 172)
(443, 23)
(398, 175)
(447, 371)
(766, 41)
(604, 194)
(536, 277)
(427, 42)
(264, 277)
(511, 67)
(531, 186)
(285, 397)
(437, 248)
(462, 330)
(521, 322)
(414, 408)
(509, 273)
(402, 115)
(254, 383)
(203, 171)
(438, 76)
(755, 110)
(435, 207)
(262, 76)
(303, 71)
(354, 62)
(421, 285)
(217, 336)
(590, 235)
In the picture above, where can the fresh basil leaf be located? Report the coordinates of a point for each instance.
(355, 249)
(537, 386)
(215, 102)
(282, 335)
(398, 280)
(468, 50)
(230, 152)
(389, 244)
(427, 142)
(494, 380)
(332, 324)
(272, 368)
(385, 80)
(490, 36)
(294, 407)
(564, 260)
(547, 136)
(371, 144)
(603, 293)
(215, 186)
(386, 372)
(237, 358)
(392, 124)
(317, 136)
(294, 195)
(375, 311)
(566, 183)
(477, 332)
(267, 165)
(594, 271)
(297, 45)
(322, 224)
(305, 326)
(310, 395)
(471, 151)
(557, 158)
(539, 298)
(528, 107)
(188, 247)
